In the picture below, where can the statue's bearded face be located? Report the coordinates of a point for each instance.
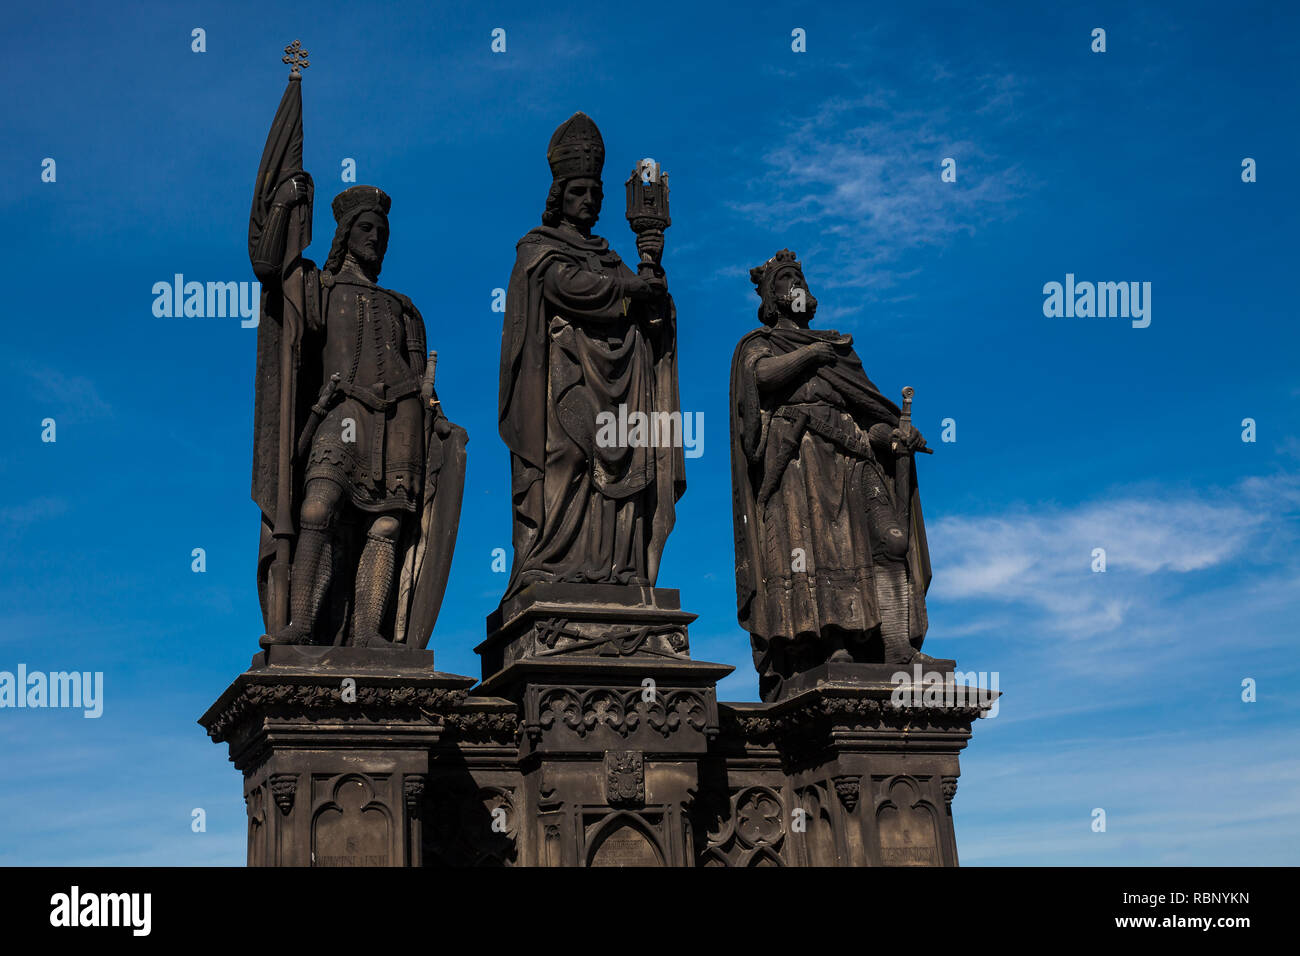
(790, 292)
(368, 239)
(582, 198)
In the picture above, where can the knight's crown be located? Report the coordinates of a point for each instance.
(576, 149)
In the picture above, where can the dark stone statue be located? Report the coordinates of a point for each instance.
(586, 338)
(358, 472)
(593, 738)
(831, 556)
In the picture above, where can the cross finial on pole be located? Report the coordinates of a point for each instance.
(296, 57)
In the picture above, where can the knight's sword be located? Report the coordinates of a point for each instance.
(430, 367)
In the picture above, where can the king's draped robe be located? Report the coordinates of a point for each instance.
(814, 504)
(576, 345)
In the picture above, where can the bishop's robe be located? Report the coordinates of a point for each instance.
(574, 346)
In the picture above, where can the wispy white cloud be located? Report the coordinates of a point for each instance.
(1042, 558)
(1200, 592)
(69, 398)
(865, 169)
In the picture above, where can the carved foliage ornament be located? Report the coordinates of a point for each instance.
(413, 790)
(621, 711)
(316, 700)
(847, 788)
(283, 788)
(854, 711)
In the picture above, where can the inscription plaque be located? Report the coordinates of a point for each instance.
(626, 846)
(352, 831)
(907, 831)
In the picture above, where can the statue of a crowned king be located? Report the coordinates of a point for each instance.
(832, 562)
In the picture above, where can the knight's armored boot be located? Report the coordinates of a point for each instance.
(894, 594)
(310, 579)
(374, 584)
(893, 597)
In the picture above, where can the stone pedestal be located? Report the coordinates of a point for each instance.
(616, 721)
(335, 744)
(860, 770)
(594, 740)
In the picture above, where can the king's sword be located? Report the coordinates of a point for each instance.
(905, 421)
(903, 461)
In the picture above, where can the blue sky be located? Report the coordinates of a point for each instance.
(1122, 690)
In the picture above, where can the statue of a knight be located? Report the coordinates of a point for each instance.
(358, 472)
